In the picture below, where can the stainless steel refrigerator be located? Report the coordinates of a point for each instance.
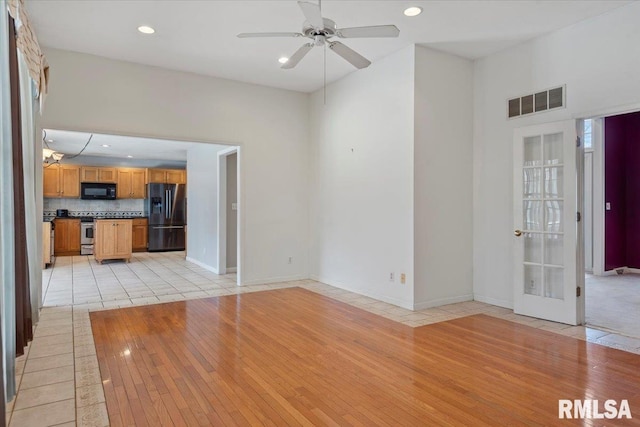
(166, 207)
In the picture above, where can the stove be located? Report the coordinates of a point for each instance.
(86, 235)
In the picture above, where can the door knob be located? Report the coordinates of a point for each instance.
(518, 233)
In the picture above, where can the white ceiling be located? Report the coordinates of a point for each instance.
(71, 143)
(200, 36)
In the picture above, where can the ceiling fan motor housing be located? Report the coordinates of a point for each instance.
(328, 31)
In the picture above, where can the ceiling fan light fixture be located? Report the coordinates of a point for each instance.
(283, 60)
(413, 11)
(145, 29)
(46, 153)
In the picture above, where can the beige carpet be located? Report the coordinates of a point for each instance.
(613, 303)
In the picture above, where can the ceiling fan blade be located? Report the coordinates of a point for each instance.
(312, 14)
(297, 57)
(350, 55)
(247, 35)
(371, 31)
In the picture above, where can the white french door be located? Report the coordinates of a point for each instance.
(546, 226)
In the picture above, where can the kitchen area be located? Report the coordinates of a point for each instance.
(110, 212)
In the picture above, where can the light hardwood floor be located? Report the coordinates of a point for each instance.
(293, 357)
(59, 379)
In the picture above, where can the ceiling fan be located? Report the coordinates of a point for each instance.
(321, 30)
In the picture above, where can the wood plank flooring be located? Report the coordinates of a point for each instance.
(293, 357)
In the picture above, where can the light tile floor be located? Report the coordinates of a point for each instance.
(59, 380)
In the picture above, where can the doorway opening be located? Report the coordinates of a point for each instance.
(611, 221)
(229, 212)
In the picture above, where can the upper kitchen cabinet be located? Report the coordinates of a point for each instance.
(62, 181)
(167, 176)
(98, 174)
(131, 183)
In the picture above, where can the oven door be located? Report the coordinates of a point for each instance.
(86, 236)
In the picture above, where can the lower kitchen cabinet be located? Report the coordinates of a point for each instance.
(140, 234)
(113, 239)
(46, 244)
(66, 236)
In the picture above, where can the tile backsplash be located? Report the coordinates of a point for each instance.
(79, 207)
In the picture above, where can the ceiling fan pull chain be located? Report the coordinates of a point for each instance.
(324, 86)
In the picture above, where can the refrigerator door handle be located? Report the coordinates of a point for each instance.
(166, 204)
(164, 227)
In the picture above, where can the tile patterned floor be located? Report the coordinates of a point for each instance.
(59, 379)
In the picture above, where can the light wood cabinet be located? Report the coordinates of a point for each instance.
(131, 183)
(61, 181)
(139, 234)
(167, 176)
(113, 239)
(66, 236)
(46, 244)
(98, 174)
(176, 176)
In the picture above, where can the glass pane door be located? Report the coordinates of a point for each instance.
(545, 225)
(542, 196)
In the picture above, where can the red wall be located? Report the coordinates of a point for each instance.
(622, 190)
(632, 185)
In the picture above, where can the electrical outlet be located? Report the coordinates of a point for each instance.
(403, 278)
(391, 277)
(290, 260)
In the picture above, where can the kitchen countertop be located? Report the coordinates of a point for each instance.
(49, 219)
(119, 217)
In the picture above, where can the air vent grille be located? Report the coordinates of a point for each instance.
(537, 102)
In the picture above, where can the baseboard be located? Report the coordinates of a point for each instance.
(613, 271)
(493, 301)
(442, 301)
(383, 298)
(269, 280)
(632, 270)
(232, 269)
(202, 264)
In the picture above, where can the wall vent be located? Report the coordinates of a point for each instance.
(545, 100)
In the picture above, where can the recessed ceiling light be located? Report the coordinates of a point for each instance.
(130, 156)
(144, 29)
(283, 60)
(49, 140)
(106, 145)
(413, 11)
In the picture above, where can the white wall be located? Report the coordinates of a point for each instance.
(89, 93)
(361, 163)
(443, 190)
(598, 60)
(202, 205)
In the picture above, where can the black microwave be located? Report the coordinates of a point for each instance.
(97, 191)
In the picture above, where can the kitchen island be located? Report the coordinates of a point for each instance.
(113, 239)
